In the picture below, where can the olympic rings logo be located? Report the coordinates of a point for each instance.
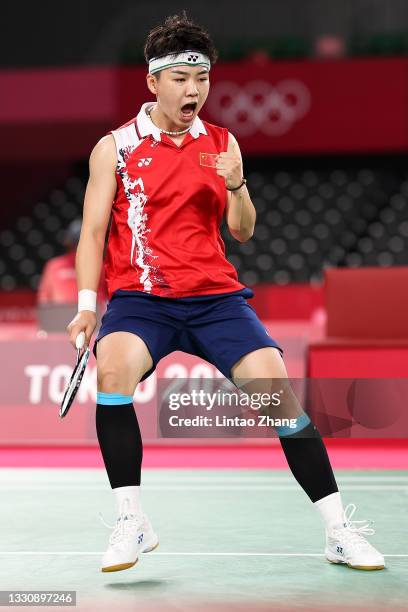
(259, 106)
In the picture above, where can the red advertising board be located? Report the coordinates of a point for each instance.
(356, 105)
(37, 368)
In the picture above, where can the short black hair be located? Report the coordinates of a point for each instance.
(178, 33)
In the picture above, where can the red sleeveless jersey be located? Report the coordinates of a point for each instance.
(164, 237)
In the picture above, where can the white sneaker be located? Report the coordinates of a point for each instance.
(132, 534)
(346, 544)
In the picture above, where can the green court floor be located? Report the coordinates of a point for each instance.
(229, 540)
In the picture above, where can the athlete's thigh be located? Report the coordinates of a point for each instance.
(263, 371)
(234, 339)
(122, 359)
(229, 333)
(264, 362)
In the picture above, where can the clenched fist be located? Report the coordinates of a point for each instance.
(229, 166)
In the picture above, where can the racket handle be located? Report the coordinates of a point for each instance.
(80, 340)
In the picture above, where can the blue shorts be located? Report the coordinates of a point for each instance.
(219, 329)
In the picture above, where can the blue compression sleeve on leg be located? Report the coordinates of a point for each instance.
(113, 399)
(302, 421)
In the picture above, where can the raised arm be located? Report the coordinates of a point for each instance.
(240, 212)
(99, 196)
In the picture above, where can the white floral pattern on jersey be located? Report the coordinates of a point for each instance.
(141, 254)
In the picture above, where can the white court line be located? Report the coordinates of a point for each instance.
(294, 487)
(180, 554)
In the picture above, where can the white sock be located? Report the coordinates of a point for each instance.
(331, 510)
(133, 495)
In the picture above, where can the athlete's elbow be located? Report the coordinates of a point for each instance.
(242, 235)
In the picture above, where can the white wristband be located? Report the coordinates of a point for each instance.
(86, 300)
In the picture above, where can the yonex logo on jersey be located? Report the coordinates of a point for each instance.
(340, 549)
(192, 57)
(144, 161)
(140, 539)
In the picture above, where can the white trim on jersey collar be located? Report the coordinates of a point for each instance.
(186, 58)
(146, 126)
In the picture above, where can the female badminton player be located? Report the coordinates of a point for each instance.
(168, 178)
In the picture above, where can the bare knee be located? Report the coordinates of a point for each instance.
(264, 363)
(122, 360)
(110, 380)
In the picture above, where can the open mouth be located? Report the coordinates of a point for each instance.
(187, 111)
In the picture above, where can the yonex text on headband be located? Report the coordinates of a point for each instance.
(186, 58)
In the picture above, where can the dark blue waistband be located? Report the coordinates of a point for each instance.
(246, 293)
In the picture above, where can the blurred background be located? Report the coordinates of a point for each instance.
(317, 96)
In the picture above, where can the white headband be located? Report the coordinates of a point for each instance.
(187, 58)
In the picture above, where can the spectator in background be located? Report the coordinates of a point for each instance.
(58, 281)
